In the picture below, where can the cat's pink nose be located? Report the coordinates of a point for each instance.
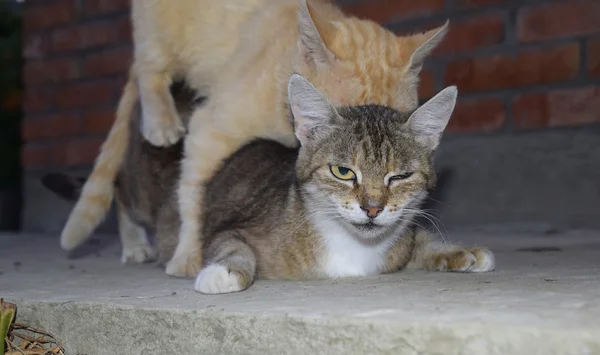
(372, 211)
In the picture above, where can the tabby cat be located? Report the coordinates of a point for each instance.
(242, 63)
(341, 205)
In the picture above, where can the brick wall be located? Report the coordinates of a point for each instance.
(76, 56)
(519, 65)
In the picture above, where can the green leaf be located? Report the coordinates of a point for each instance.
(7, 315)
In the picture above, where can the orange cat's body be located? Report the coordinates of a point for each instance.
(351, 61)
(184, 38)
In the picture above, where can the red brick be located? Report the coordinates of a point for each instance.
(568, 107)
(98, 7)
(108, 62)
(36, 46)
(475, 32)
(385, 11)
(558, 19)
(530, 67)
(477, 116)
(37, 100)
(51, 126)
(76, 152)
(92, 35)
(426, 84)
(85, 95)
(34, 156)
(98, 121)
(477, 3)
(40, 15)
(593, 51)
(50, 70)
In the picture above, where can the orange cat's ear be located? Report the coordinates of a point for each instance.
(313, 36)
(312, 111)
(425, 43)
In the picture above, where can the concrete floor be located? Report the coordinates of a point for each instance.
(544, 298)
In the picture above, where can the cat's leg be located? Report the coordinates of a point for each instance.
(134, 240)
(231, 265)
(167, 230)
(434, 255)
(161, 124)
(205, 150)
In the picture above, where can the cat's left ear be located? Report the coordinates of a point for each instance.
(312, 112)
(425, 43)
(313, 34)
(429, 121)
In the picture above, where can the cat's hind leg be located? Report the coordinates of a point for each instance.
(135, 246)
(434, 255)
(230, 267)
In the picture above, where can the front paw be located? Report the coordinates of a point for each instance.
(163, 131)
(465, 260)
(186, 264)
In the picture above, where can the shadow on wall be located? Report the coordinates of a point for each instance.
(10, 115)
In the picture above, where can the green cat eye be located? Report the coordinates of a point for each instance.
(342, 172)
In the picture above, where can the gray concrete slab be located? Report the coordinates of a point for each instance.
(543, 299)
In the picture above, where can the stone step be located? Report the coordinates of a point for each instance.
(544, 298)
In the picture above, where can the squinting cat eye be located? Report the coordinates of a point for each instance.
(342, 172)
(401, 176)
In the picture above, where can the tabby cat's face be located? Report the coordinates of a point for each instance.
(369, 174)
(365, 168)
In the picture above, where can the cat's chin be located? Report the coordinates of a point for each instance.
(368, 226)
(368, 230)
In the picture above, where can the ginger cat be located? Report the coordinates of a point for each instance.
(352, 61)
(341, 205)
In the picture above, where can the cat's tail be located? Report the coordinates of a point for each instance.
(98, 191)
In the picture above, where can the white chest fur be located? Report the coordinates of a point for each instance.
(344, 256)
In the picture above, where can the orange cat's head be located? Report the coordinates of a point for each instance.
(357, 62)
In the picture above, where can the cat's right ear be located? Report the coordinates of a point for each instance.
(313, 32)
(428, 122)
(312, 111)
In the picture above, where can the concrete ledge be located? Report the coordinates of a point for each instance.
(547, 178)
(544, 299)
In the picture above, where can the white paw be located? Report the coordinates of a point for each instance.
(215, 278)
(138, 254)
(484, 261)
(161, 132)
